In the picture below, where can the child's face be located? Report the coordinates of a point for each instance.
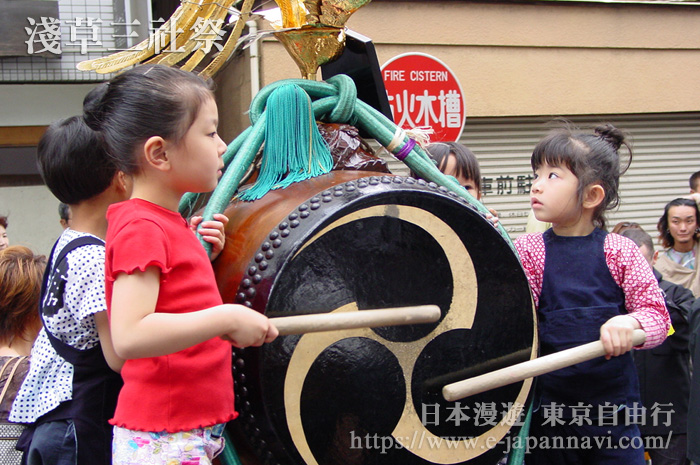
(4, 241)
(450, 169)
(196, 160)
(554, 195)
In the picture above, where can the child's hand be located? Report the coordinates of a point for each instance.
(251, 328)
(492, 217)
(616, 335)
(212, 232)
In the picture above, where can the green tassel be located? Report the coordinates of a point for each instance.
(294, 148)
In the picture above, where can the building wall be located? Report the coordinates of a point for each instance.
(34, 92)
(32, 213)
(548, 58)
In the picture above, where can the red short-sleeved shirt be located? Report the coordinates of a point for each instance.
(191, 388)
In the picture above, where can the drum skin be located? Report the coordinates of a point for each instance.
(350, 241)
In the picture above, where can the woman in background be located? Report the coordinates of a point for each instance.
(21, 273)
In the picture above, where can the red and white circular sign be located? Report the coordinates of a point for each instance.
(423, 91)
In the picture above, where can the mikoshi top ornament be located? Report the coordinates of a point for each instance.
(283, 119)
(313, 31)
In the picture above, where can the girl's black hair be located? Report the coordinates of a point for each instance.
(592, 158)
(79, 156)
(146, 101)
(665, 237)
(467, 164)
(72, 161)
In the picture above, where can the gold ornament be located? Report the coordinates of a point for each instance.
(183, 22)
(312, 31)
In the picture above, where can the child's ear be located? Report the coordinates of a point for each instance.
(593, 196)
(154, 150)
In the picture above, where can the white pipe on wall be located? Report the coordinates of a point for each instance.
(254, 60)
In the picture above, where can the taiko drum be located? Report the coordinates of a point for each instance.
(350, 241)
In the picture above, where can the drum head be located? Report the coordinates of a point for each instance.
(373, 396)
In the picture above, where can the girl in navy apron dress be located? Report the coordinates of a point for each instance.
(71, 389)
(587, 285)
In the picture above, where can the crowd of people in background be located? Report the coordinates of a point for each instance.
(117, 313)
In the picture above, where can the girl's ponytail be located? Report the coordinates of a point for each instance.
(92, 113)
(616, 138)
(611, 135)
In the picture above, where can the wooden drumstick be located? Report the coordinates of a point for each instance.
(300, 324)
(530, 369)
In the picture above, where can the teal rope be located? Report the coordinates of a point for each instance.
(294, 148)
(347, 97)
(228, 185)
(334, 101)
(229, 456)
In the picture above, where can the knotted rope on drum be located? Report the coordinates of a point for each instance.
(333, 101)
(294, 148)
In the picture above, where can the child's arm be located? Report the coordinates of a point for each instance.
(531, 253)
(643, 298)
(139, 332)
(616, 335)
(113, 360)
(212, 232)
(85, 295)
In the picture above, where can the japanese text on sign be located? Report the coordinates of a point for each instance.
(506, 184)
(44, 35)
(423, 92)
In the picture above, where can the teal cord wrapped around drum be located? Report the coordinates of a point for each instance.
(333, 101)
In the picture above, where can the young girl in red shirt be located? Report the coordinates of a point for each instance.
(167, 317)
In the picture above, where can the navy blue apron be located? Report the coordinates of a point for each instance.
(578, 296)
(95, 386)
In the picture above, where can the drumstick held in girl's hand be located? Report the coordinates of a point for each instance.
(530, 369)
(300, 324)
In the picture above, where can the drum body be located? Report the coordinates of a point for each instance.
(350, 241)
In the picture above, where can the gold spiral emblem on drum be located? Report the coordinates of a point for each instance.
(460, 316)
